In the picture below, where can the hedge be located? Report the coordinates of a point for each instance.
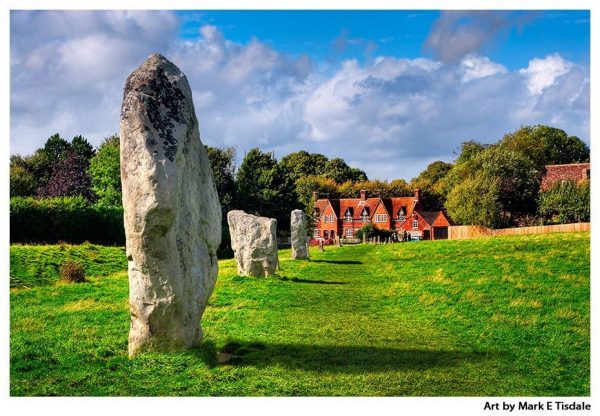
(69, 219)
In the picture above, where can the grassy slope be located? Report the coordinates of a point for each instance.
(39, 265)
(506, 316)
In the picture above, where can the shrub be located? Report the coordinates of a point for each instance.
(70, 219)
(371, 231)
(72, 272)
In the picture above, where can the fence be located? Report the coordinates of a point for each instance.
(462, 232)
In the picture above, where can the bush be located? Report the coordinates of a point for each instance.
(565, 202)
(371, 231)
(70, 219)
(72, 272)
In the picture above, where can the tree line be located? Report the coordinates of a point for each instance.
(495, 185)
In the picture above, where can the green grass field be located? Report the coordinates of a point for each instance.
(506, 316)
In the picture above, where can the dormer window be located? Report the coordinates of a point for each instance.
(415, 224)
(348, 215)
(401, 213)
(364, 215)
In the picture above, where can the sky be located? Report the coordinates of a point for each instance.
(387, 91)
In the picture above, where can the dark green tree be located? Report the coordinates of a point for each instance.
(105, 173)
(513, 181)
(56, 148)
(82, 148)
(263, 189)
(222, 162)
(340, 172)
(430, 181)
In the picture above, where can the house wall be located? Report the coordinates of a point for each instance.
(381, 225)
(328, 226)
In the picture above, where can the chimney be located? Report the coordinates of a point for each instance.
(363, 195)
(417, 195)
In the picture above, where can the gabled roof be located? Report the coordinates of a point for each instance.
(405, 201)
(322, 204)
(356, 205)
(429, 216)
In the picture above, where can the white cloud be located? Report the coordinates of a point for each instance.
(475, 66)
(542, 73)
(389, 116)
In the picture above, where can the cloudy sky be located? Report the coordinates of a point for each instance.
(388, 91)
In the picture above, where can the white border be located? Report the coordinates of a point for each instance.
(267, 406)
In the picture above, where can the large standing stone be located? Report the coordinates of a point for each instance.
(299, 235)
(172, 212)
(254, 243)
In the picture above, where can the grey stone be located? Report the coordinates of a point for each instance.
(299, 235)
(171, 209)
(254, 243)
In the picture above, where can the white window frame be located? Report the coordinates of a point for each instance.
(380, 217)
(316, 232)
(350, 233)
(415, 224)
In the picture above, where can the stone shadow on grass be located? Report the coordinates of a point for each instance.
(319, 282)
(337, 261)
(340, 359)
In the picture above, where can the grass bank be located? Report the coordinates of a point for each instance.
(505, 316)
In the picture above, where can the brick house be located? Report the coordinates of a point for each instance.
(343, 217)
(576, 172)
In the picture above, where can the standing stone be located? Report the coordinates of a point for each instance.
(172, 212)
(254, 243)
(299, 235)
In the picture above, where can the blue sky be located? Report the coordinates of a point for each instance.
(395, 32)
(388, 91)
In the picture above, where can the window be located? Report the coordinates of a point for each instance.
(363, 215)
(328, 218)
(380, 217)
(349, 233)
(348, 215)
(315, 233)
(415, 224)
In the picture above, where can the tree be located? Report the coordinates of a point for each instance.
(513, 181)
(566, 202)
(306, 185)
(82, 148)
(22, 181)
(299, 164)
(547, 145)
(399, 187)
(340, 172)
(105, 173)
(430, 181)
(476, 201)
(222, 163)
(468, 150)
(263, 189)
(56, 148)
(69, 178)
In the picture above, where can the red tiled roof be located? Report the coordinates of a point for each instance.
(356, 205)
(404, 201)
(429, 216)
(569, 172)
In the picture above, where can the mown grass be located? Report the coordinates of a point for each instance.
(505, 316)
